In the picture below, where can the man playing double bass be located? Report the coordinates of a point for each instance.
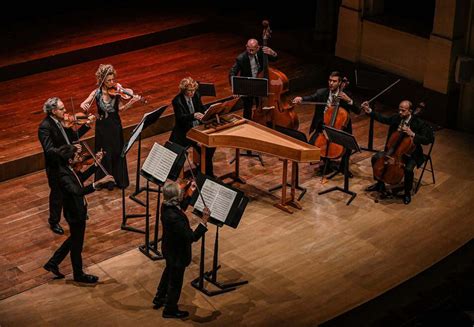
(413, 127)
(328, 95)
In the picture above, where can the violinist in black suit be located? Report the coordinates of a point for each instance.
(414, 127)
(52, 134)
(188, 112)
(176, 247)
(249, 64)
(328, 96)
(75, 210)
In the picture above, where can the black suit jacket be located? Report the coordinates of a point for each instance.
(178, 236)
(322, 95)
(51, 139)
(73, 192)
(423, 132)
(184, 118)
(242, 64)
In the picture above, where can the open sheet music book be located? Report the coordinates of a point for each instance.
(159, 162)
(218, 198)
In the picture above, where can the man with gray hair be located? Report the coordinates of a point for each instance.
(52, 134)
(176, 247)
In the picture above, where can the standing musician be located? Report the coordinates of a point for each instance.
(176, 246)
(108, 130)
(52, 134)
(414, 127)
(75, 211)
(248, 64)
(188, 112)
(328, 95)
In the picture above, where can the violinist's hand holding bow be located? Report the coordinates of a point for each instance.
(297, 100)
(206, 213)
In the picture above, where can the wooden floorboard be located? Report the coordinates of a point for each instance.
(303, 269)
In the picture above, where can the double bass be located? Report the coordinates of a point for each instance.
(337, 117)
(390, 168)
(274, 109)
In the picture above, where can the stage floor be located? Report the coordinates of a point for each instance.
(303, 269)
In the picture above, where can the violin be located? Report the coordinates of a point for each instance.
(77, 119)
(124, 93)
(86, 160)
(188, 187)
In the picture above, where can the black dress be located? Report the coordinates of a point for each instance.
(109, 138)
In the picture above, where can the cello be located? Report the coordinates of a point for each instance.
(337, 117)
(389, 168)
(274, 109)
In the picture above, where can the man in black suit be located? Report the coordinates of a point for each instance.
(75, 211)
(328, 95)
(249, 64)
(52, 135)
(188, 112)
(176, 247)
(415, 128)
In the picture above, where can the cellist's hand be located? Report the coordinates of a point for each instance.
(345, 97)
(408, 131)
(297, 100)
(365, 106)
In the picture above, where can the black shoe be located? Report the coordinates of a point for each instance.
(85, 278)
(175, 314)
(110, 186)
(407, 198)
(56, 228)
(158, 302)
(374, 187)
(51, 267)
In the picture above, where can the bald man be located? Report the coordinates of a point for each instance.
(248, 64)
(415, 128)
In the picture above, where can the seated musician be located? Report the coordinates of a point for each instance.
(415, 128)
(328, 95)
(188, 112)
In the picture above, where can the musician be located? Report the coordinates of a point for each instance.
(415, 128)
(52, 134)
(176, 247)
(188, 112)
(108, 130)
(328, 95)
(249, 64)
(75, 211)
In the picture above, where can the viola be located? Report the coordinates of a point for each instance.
(124, 93)
(282, 113)
(337, 117)
(76, 119)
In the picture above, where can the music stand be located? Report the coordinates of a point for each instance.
(232, 219)
(252, 87)
(150, 249)
(148, 119)
(206, 89)
(349, 142)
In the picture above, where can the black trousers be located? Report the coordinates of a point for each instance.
(73, 244)
(170, 286)
(247, 103)
(55, 196)
(410, 165)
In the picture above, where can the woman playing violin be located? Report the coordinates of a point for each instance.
(108, 130)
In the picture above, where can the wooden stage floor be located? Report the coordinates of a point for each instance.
(303, 269)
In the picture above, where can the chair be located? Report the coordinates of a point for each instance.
(427, 157)
(299, 136)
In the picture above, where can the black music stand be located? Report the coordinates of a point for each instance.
(150, 249)
(206, 89)
(232, 220)
(252, 87)
(148, 119)
(349, 142)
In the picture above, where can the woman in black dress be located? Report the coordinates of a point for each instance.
(108, 128)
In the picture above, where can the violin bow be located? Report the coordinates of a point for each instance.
(194, 178)
(384, 90)
(94, 157)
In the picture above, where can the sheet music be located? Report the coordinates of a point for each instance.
(159, 162)
(218, 198)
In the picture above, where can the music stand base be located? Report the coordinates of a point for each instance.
(338, 188)
(302, 189)
(134, 195)
(369, 149)
(150, 252)
(132, 229)
(235, 179)
(223, 286)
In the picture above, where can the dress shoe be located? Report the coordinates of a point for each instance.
(110, 186)
(56, 228)
(158, 302)
(374, 187)
(175, 314)
(51, 267)
(85, 278)
(407, 198)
